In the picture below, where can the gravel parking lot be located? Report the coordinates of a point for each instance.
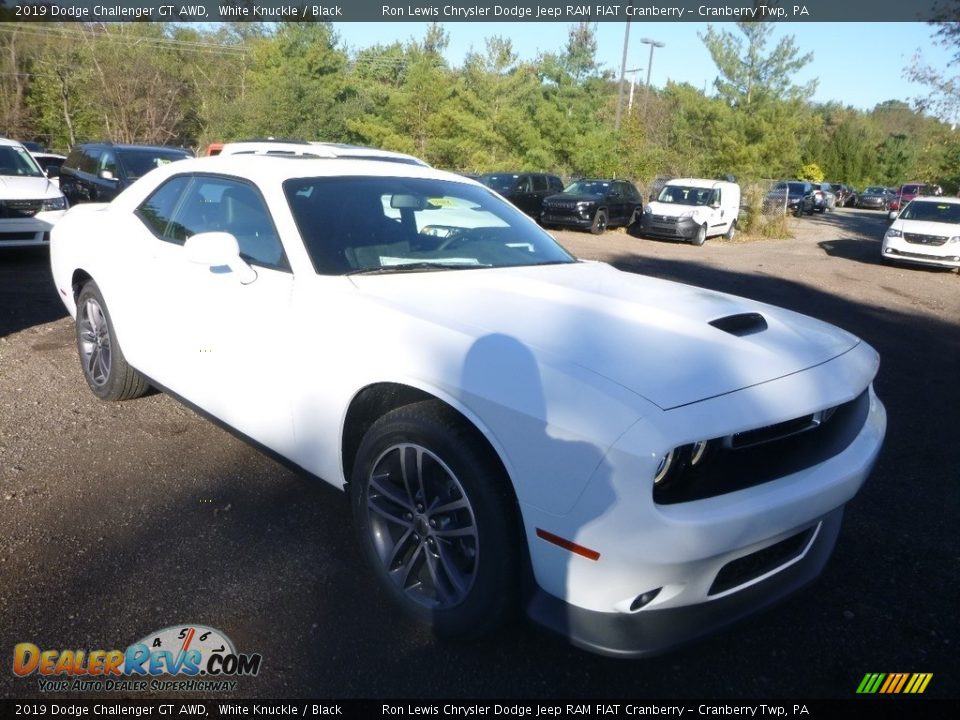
(121, 519)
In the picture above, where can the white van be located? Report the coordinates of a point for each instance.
(693, 209)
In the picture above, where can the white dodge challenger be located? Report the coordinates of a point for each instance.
(635, 462)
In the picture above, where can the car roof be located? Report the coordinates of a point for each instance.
(316, 149)
(699, 182)
(131, 146)
(277, 168)
(7, 142)
(939, 199)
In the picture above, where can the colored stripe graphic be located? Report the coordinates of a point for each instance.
(894, 683)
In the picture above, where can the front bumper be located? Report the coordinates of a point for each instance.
(699, 554)
(565, 219)
(939, 256)
(664, 226)
(28, 232)
(641, 634)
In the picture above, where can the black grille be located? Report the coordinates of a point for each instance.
(750, 567)
(919, 239)
(13, 209)
(14, 236)
(735, 468)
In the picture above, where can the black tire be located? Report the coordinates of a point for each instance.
(599, 225)
(701, 237)
(104, 366)
(456, 570)
(731, 231)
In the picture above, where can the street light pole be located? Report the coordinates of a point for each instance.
(653, 44)
(623, 71)
(633, 84)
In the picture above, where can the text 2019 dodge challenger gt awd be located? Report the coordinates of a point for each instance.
(638, 461)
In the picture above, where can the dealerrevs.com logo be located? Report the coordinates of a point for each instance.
(205, 657)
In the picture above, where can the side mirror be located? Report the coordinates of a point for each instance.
(218, 249)
(106, 175)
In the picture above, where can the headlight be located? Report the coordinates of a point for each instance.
(954, 239)
(678, 461)
(647, 210)
(57, 203)
(893, 233)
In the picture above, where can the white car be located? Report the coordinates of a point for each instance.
(638, 461)
(925, 232)
(693, 209)
(30, 203)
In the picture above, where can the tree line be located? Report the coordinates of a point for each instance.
(191, 85)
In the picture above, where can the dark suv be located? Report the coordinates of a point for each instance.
(593, 205)
(97, 172)
(793, 196)
(526, 190)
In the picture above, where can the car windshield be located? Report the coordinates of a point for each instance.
(793, 188)
(17, 161)
(138, 163)
(393, 224)
(911, 189)
(939, 212)
(873, 190)
(501, 183)
(683, 195)
(587, 187)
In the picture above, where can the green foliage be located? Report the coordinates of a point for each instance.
(195, 84)
(811, 172)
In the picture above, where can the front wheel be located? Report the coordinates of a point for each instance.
(105, 368)
(599, 225)
(437, 520)
(701, 237)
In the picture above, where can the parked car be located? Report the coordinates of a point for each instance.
(926, 232)
(846, 195)
(823, 197)
(638, 461)
(594, 205)
(692, 209)
(316, 149)
(526, 190)
(875, 197)
(904, 194)
(98, 172)
(30, 204)
(790, 196)
(50, 163)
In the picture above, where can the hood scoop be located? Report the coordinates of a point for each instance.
(741, 324)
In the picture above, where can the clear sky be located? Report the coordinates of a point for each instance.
(859, 64)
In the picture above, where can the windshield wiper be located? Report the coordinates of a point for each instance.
(413, 267)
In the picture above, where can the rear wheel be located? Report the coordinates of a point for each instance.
(437, 520)
(105, 368)
(731, 231)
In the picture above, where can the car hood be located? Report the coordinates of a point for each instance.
(675, 209)
(13, 187)
(651, 336)
(925, 227)
(571, 197)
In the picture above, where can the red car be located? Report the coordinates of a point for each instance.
(907, 193)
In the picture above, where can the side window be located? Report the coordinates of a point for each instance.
(88, 160)
(223, 204)
(524, 184)
(108, 162)
(157, 210)
(539, 183)
(615, 192)
(556, 184)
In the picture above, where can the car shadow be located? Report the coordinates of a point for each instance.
(27, 294)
